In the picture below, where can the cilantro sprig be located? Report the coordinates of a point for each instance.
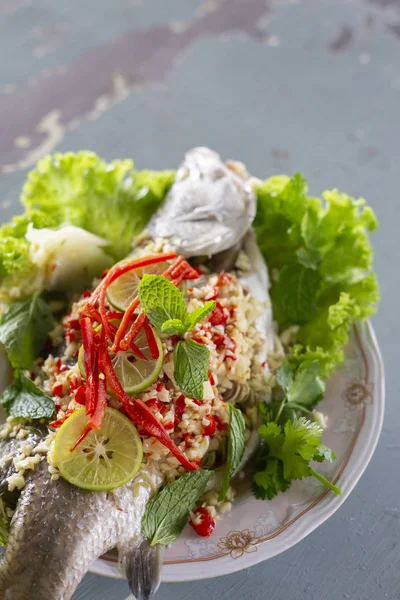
(165, 307)
(290, 442)
(287, 453)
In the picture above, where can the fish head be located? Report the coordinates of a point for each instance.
(208, 209)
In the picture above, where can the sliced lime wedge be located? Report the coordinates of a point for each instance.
(135, 374)
(123, 290)
(105, 459)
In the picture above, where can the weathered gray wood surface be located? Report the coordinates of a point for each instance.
(310, 85)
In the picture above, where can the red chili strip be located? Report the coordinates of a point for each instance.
(131, 335)
(170, 269)
(151, 340)
(135, 349)
(140, 414)
(126, 319)
(101, 403)
(114, 315)
(80, 439)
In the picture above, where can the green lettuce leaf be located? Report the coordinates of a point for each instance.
(111, 200)
(321, 258)
(108, 199)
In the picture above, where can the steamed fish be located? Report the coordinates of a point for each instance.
(58, 529)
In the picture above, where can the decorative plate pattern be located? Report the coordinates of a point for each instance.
(256, 530)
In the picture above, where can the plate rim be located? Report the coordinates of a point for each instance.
(324, 505)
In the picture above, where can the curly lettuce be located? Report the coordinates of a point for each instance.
(110, 200)
(320, 259)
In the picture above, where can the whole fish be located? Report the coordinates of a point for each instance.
(58, 530)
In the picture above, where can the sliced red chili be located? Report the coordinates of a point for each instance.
(140, 414)
(218, 316)
(211, 426)
(218, 339)
(151, 340)
(57, 390)
(80, 395)
(134, 331)
(206, 525)
(180, 405)
(220, 425)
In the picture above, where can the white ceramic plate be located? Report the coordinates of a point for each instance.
(256, 530)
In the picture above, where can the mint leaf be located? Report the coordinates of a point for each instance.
(296, 294)
(25, 400)
(4, 524)
(191, 367)
(24, 329)
(167, 512)
(173, 327)
(237, 428)
(199, 314)
(161, 301)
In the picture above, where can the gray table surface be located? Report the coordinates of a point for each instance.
(309, 85)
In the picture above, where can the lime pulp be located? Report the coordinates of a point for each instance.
(105, 459)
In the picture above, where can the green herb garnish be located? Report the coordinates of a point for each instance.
(323, 258)
(167, 513)
(23, 399)
(286, 455)
(165, 306)
(191, 367)
(24, 328)
(236, 445)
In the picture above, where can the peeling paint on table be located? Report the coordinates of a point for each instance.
(284, 85)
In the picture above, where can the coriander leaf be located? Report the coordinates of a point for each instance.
(295, 294)
(25, 400)
(307, 387)
(24, 328)
(199, 314)
(173, 327)
(300, 443)
(284, 376)
(236, 445)
(191, 367)
(286, 455)
(161, 301)
(268, 482)
(324, 453)
(167, 512)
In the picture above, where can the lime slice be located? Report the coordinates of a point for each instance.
(105, 459)
(135, 374)
(123, 290)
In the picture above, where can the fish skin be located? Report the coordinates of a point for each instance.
(208, 209)
(58, 530)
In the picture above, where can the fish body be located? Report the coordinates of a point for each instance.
(58, 530)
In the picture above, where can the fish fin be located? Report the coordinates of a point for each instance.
(143, 566)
